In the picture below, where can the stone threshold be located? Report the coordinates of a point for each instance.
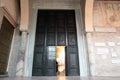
(3, 76)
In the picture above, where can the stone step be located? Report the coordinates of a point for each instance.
(3, 76)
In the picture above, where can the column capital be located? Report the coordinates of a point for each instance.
(23, 31)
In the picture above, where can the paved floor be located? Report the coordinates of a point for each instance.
(61, 78)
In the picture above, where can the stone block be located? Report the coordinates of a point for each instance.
(104, 29)
(100, 53)
(114, 54)
(104, 57)
(100, 44)
(111, 43)
(118, 44)
(116, 61)
(102, 50)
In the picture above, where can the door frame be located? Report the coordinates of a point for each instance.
(82, 51)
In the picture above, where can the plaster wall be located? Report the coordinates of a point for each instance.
(11, 7)
(104, 41)
(89, 15)
(0, 2)
(24, 22)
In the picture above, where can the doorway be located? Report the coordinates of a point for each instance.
(55, 28)
(6, 35)
(60, 60)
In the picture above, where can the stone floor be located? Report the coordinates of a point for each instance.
(60, 78)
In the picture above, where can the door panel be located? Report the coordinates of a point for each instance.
(51, 39)
(72, 48)
(61, 39)
(55, 28)
(40, 39)
(51, 61)
(72, 61)
(72, 39)
(39, 50)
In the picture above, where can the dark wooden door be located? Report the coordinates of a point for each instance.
(44, 53)
(54, 28)
(72, 48)
(6, 34)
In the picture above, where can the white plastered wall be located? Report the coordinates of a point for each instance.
(11, 7)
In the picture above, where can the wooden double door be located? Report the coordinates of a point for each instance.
(55, 28)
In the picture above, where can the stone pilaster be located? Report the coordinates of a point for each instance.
(20, 65)
(91, 53)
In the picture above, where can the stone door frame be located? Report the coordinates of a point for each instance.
(82, 51)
